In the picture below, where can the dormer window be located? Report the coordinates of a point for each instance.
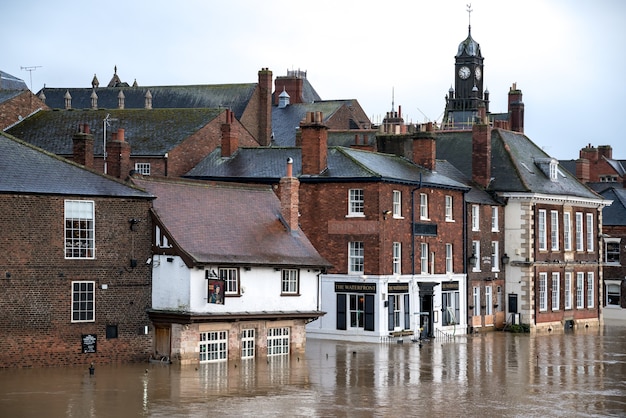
(549, 167)
(553, 170)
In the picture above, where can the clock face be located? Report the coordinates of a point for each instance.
(464, 73)
(478, 73)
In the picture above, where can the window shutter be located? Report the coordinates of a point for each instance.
(341, 311)
(391, 307)
(369, 312)
(407, 312)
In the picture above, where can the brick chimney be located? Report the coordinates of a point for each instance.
(82, 142)
(265, 107)
(230, 135)
(481, 153)
(424, 148)
(293, 84)
(314, 139)
(289, 197)
(516, 109)
(582, 170)
(589, 153)
(605, 151)
(118, 151)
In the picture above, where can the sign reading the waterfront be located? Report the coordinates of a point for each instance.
(398, 288)
(89, 343)
(342, 287)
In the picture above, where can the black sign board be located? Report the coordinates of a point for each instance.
(449, 286)
(398, 288)
(89, 342)
(343, 287)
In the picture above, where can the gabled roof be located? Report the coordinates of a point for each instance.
(149, 132)
(228, 223)
(25, 169)
(10, 82)
(615, 214)
(516, 164)
(344, 164)
(285, 121)
(232, 96)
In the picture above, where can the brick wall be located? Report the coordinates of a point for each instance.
(35, 310)
(21, 105)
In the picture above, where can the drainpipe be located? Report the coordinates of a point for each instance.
(465, 264)
(419, 186)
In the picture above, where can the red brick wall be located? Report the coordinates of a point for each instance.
(35, 281)
(22, 105)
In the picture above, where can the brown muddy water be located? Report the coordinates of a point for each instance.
(580, 374)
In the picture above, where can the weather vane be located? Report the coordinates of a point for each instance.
(469, 13)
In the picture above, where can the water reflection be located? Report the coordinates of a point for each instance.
(497, 374)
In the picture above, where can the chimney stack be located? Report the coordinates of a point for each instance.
(230, 135)
(82, 142)
(314, 140)
(289, 198)
(516, 109)
(119, 155)
(425, 148)
(481, 154)
(265, 107)
(582, 170)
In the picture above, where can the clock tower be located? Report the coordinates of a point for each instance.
(463, 101)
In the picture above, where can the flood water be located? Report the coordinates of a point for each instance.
(581, 374)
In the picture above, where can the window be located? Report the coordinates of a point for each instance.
(449, 263)
(543, 282)
(495, 227)
(356, 257)
(450, 307)
(590, 290)
(449, 215)
(476, 300)
(579, 232)
(231, 280)
(395, 311)
(79, 229)
(554, 230)
(611, 250)
(356, 310)
(613, 293)
(213, 346)
(499, 306)
(476, 254)
(356, 202)
(423, 206)
(143, 168)
(553, 170)
(83, 302)
(488, 300)
(568, 290)
(590, 225)
(567, 231)
(247, 343)
(290, 282)
(556, 281)
(580, 303)
(277, 341)
(475, 218)
(541, 230)
(424, 258)
(495, 256)
(397, 252)
(397, 204)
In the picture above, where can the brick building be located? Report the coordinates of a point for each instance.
(75, 286)
(16, 101)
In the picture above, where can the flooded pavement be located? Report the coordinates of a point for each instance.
(579, 374)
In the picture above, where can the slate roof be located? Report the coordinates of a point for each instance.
(309, 95)
(515, 164)
(6, 95)
(262, 164)
(615, 214)
(228, 223)
(10, 82)
(476, 194)
(149, 132)
(285, 121)
(25, 169)
(232, 96)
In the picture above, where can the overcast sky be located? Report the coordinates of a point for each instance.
(567, 56)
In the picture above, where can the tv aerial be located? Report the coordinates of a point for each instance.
(30, 71)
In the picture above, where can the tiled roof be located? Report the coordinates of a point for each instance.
(28, 170)
(615, 214)
(514, 164)
(228, 223)
(268, 164)
(232, 96)
(149, 132)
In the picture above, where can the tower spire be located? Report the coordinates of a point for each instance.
(469, 17)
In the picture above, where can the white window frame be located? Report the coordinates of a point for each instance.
(449, 208)
(590, 235)
(290, 282)
(556, 291)
(488, 300)
(475, 218)
(278, 341)
(230, 275)
(590, 287)
(612, 247)
(613, 288)
(356, 202)
(143, 168)
(567, 303)
(397, 204)
(580, 288)
(580, 246)
(449, 259)
(542, 236)
(476, 300)
(248, 343)
(495, 256)
(543, 292)
(397, 258)
(476, 253)
(567, 231)
(213, 347)
(80, 229)
(554, 230)
(553, 171)
(495, 226)
(424, 258)
(83, 301)
(424, 206)
(356, 257)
